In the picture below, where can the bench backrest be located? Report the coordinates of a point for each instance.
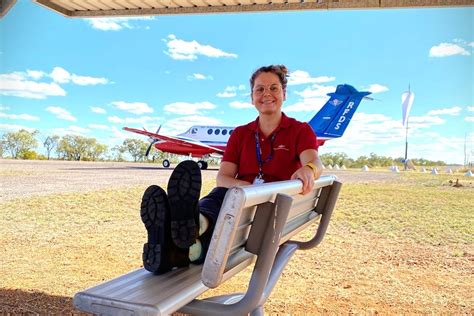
(233, 244)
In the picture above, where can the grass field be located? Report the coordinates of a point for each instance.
(400, 246)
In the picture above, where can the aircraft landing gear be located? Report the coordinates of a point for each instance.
(202, 164)
(166, 163)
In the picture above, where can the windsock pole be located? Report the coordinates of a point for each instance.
(406, 148)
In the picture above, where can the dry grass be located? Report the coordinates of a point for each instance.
(402, 247)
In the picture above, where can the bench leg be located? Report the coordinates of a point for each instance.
(329, 197)
(257, 312)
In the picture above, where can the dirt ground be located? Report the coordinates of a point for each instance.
(29, 178)
(352, 272)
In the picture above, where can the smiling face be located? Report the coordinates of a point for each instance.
(268, 94)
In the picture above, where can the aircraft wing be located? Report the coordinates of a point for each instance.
(175, 140)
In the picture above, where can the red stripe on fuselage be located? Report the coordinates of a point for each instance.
(186, 149)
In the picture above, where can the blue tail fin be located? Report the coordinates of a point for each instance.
(334, 117)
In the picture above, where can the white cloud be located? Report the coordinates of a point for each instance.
(35, 74)
(61, 75)
(25, 117)
(182, 50)
(306, 105)
(61, 113)
(118, 134)
(241, 105)
(18, 84)
(377, 88)
(231, 91)
(98, 110)
(133, 107)
(298, 77)
(470, 108)
(365, 130)
(71, 130)
(469, 118)
(13, 127)
(448, 49)
(424, 121)
(449, 111)
(385, 136)
(115, 24)
(315, 91)
(87, 81)
(200, 77)
(78, 129)
(185, 108)
(4, 108)
(226, 94)
(26, 85)
(133, 120)
(98, 126)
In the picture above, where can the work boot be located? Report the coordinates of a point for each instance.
(184, 189)
(160, 254)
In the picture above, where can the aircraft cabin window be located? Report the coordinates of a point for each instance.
(209, 131)
(224, 132)
(194, 131)
(217, 132)
(230, 132)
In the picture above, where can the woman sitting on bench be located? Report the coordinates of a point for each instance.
(274, 147)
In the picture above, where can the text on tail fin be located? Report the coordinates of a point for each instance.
(334, 117)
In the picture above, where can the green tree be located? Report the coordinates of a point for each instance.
(75, 147)
(117, 152)
(19, 143)
(2, 147)
(50, 143)
(95, 150)
(136, 148)
(338, 158)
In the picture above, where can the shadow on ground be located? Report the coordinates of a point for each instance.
(16, 301)
(19, 302)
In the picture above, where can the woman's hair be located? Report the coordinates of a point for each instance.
(280, 70)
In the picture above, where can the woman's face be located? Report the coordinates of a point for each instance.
(268, 94)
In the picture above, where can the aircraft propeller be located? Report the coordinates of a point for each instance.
(152, 142)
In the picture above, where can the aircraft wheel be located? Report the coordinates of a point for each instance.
(202, 164)
(166, 163)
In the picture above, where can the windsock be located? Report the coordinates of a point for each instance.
(407, 102)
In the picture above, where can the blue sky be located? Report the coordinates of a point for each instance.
(93, 77)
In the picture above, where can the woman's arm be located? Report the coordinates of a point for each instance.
(226, 175)
(306, 174)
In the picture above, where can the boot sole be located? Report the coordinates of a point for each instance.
(184, 189)
(153, 214)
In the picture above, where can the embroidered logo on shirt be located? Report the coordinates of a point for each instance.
(281, 147)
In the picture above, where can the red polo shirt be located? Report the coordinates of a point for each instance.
(292, 137)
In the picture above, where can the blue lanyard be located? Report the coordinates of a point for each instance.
(258, 150)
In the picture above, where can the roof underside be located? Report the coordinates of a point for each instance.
(102, 8)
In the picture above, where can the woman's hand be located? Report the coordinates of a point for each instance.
(226, 176)
(306, 175)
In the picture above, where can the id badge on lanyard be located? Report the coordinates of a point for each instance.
(259, 178)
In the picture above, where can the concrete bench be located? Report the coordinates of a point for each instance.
(255, 226)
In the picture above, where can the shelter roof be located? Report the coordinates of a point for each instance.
(110, 8)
